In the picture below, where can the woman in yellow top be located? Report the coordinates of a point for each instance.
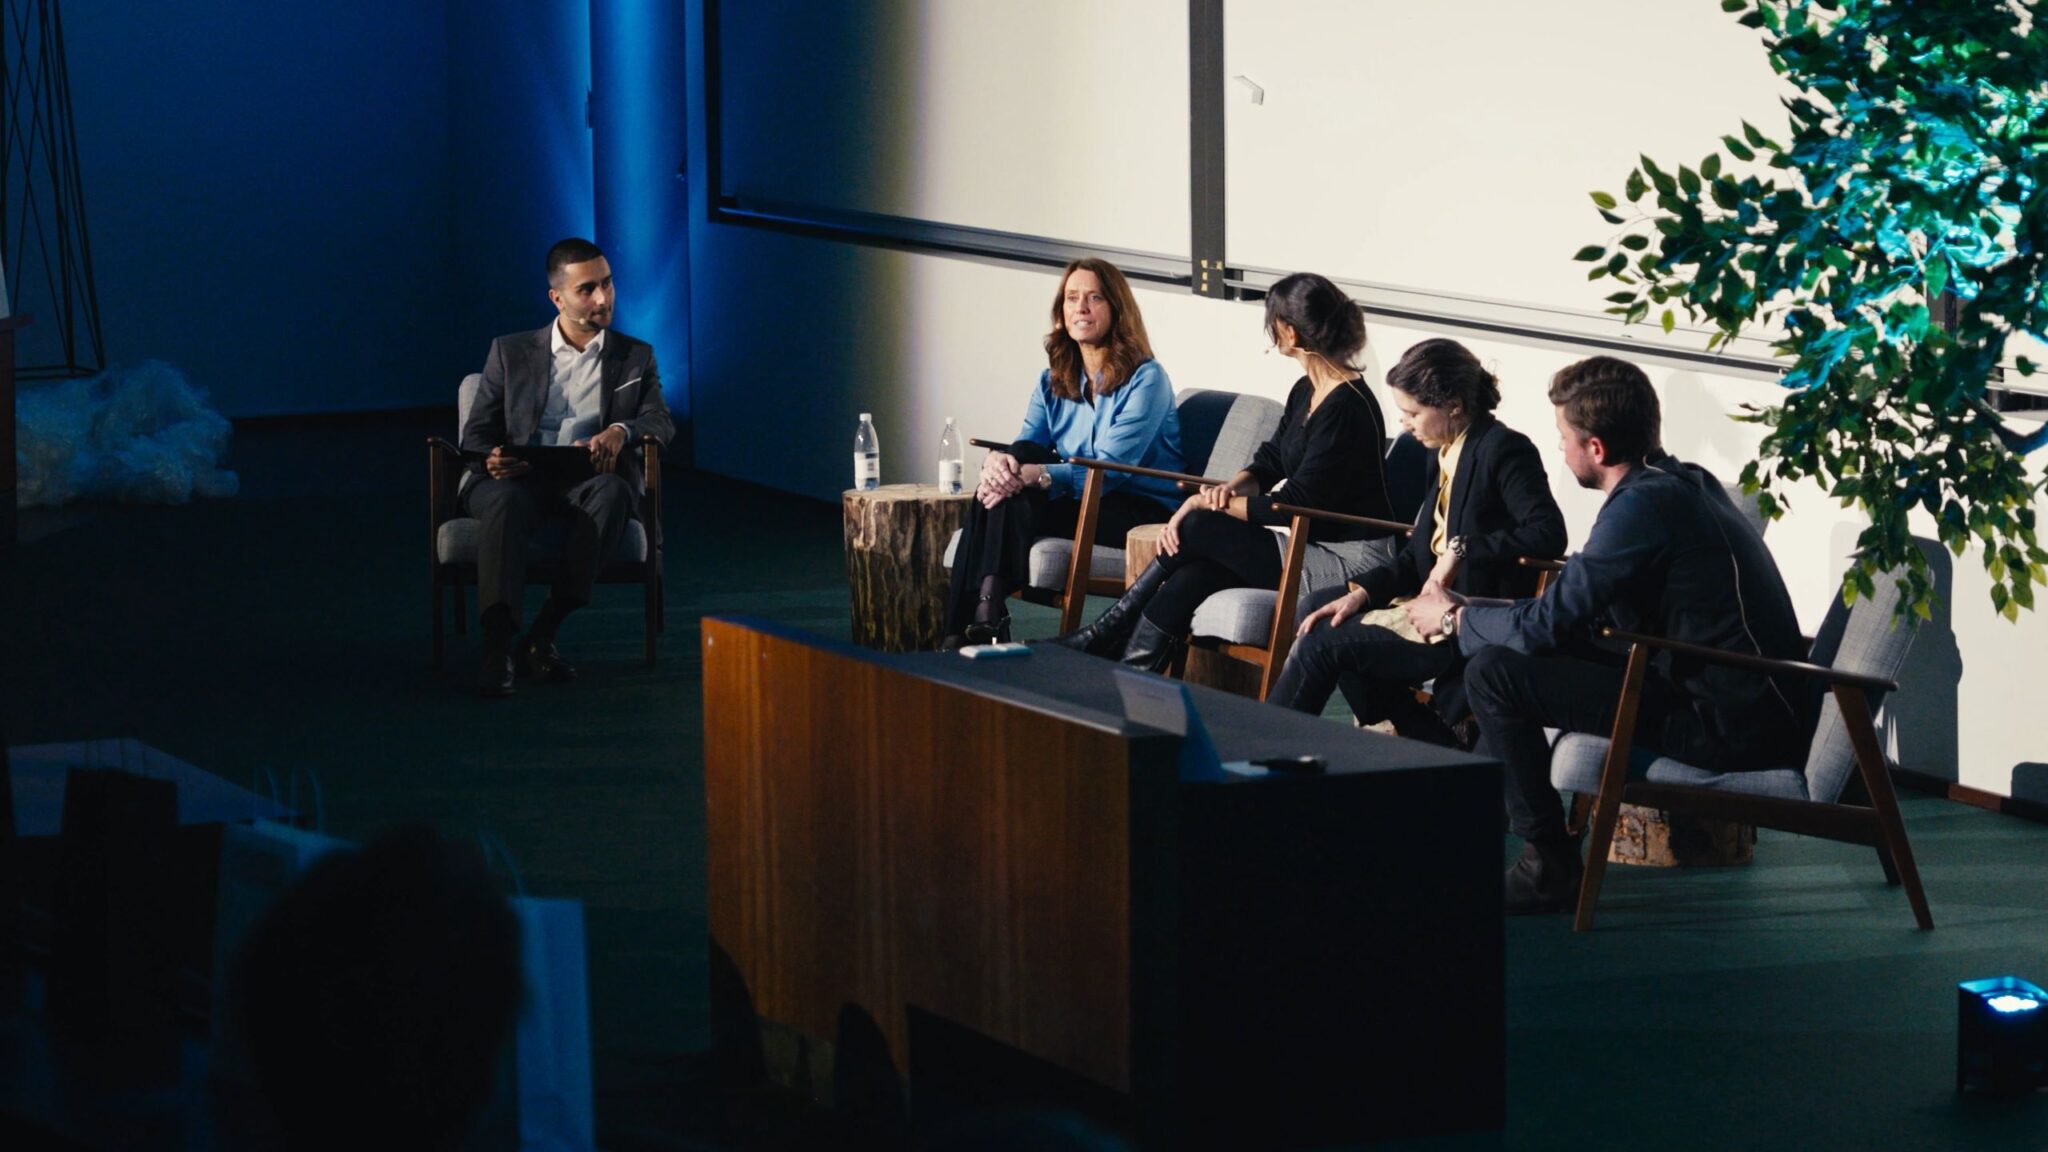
(1492, 505)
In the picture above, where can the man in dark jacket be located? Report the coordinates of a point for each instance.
(1664, 559)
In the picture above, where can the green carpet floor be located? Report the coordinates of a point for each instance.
(1790, 1004)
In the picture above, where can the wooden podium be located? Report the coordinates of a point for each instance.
(993, 851)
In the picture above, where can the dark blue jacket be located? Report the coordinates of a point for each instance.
(1666, 560)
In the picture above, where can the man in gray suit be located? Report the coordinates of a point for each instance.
(575, 382)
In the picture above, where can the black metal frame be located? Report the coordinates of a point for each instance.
(36, 131)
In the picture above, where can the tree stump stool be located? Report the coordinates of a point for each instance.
(896, 538)
(1141, 547)
(1652, 838)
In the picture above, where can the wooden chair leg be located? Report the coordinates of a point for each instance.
(1613, 780)
(1575, 821)
(1884, 861)
(1280, 641)
(1080, 558)
(438, 624)
(1883, 801)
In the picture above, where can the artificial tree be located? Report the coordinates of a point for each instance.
(1898, 239)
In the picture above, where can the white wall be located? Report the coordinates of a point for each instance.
(794, 337)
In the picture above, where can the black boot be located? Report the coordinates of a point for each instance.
(1107, 636)
(1545, 879)
(1152, 648)
(991, 616)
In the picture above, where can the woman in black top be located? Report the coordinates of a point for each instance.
(1328, 454)
(1489, 505)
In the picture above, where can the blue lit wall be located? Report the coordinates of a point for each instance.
(521, 154)
(267, 192)
(324, 207)
(641, 137)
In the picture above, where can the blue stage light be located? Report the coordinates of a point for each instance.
(2001, 1035)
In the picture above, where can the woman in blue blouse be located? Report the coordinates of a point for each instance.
(1328, 452)
(1102, 397)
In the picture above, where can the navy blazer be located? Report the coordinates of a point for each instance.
(1500, 504)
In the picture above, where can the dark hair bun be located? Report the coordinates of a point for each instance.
(1325, 320)
(1440, 373)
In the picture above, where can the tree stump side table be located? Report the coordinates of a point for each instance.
(1652, 838)
(1141, 547)
(896, 539)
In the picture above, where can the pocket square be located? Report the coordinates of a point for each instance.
(627, 384)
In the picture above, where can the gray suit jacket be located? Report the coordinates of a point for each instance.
(514, 393)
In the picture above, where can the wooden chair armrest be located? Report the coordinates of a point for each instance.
(1135, 470)
(1345, 518)
(441, 453)
(650, 503)
(1540, 564)
(1755, 663)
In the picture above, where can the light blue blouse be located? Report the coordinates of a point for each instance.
(1136, 424)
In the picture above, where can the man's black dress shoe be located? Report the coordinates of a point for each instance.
(544, 664)
(494, 672)
(1545, 879)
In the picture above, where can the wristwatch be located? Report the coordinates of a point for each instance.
(1045, 480)
(1456, 544)
(1448, 624)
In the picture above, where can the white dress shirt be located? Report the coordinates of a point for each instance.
(575, 398)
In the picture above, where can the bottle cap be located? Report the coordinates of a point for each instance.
(867, 415)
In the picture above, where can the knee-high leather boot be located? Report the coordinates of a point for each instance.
(1152, 648)
(1107, 635)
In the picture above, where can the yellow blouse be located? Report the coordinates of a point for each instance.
(1447, 467)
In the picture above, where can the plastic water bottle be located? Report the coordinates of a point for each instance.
(951, 466)
(867, 455)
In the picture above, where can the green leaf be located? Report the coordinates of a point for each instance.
(1603, 200)
(1590, 252)
(1611, 218)
(2026, 367)
(1617, 263)
(1635, 186)
(1711, 166)
(1755, 137)
(1669, 321)
(1725, 195)
(1689, 181)
(1733, 5)
(1635, 242)
(1937, 276)
(1737, 148)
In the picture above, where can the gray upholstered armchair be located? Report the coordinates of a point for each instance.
(1856, 658)
(452, 536)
